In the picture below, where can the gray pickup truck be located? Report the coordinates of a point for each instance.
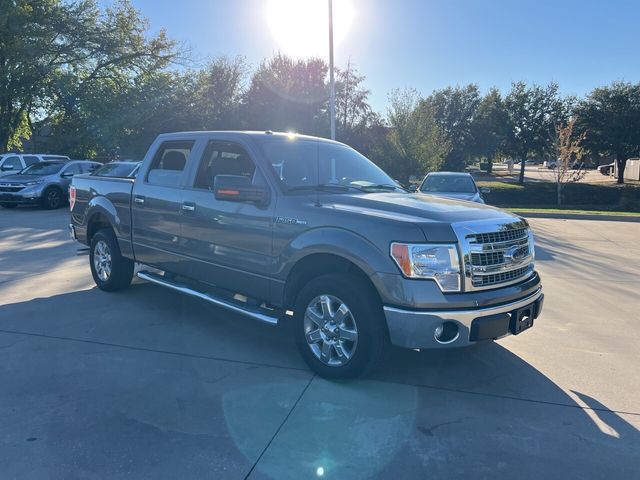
(303, 230)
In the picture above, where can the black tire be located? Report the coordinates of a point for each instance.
(104, 248)
(366, 315)
(8, 205)
(52, 198)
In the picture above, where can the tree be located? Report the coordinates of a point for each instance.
(416, 144)
(287, 94)
(51, 51)
(609, 119)
(490, 127)
(568, 151)
(533, 113)
(454, 110)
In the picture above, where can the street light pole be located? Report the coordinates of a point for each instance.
(332, 82)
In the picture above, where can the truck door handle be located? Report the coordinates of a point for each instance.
(189, 207)
(138, 199)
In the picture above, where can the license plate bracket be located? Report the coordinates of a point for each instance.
(522, 319)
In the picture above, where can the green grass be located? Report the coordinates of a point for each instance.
(576, 196)
(572, 211)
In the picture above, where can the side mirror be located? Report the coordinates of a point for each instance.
(6, 168)
(485, 190)
(236, 188)
(412, 188)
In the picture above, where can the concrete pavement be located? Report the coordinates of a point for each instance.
(150, 384)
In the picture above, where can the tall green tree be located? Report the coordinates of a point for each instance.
(609, 119)
(454, 109)
(416, 144)
(533, 113)
(287, 94)
(490, 127)
(51, 51)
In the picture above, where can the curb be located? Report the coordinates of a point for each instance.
(580, 216)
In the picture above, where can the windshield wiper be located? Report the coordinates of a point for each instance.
(326, 187)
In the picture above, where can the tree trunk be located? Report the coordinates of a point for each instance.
(522, 165)
(621, 161)
(489, 165)
(559, 193)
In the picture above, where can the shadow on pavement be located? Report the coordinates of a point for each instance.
(148, 383)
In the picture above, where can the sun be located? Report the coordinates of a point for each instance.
(301, 27)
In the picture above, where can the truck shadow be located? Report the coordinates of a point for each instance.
(170, 362)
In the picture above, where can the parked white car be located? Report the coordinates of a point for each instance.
(11, 163)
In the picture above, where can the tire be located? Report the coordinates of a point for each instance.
(8, 205)
(111, 271)
(354, 335)
(52, 198)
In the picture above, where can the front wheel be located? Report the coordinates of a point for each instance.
(339, 326)
(111, 271)
(52, 198)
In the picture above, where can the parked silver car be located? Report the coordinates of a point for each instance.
(460, 186)
(11, 163)
(44, 183)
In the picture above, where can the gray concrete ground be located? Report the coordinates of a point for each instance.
(149, 384)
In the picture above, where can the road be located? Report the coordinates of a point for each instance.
(150, 384)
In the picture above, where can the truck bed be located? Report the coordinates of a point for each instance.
(110, 195)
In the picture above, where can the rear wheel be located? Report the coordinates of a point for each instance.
(111, 271)
(339, 326)
(52, 198)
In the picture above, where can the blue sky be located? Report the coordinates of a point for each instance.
(429, 44)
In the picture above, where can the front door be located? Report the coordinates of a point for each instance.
(230, 242)
(156, 207)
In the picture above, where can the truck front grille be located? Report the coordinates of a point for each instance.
(495, 255)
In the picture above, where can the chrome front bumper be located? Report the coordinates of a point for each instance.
(417, 329)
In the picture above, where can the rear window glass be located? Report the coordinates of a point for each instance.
(169, 162)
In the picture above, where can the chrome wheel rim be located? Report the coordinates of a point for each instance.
(330, 330)
(102, 260)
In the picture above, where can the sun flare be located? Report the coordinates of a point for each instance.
(301, 27)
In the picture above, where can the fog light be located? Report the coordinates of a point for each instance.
(447, 332)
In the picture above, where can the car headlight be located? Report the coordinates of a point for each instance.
(437, 262)
(34, 182)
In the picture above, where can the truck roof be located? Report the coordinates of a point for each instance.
(246, 133)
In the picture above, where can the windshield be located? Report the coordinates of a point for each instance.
(43, 168)
(448, 184)
(302, 163)
(115, 170)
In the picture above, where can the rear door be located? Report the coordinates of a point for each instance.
(156, 206)
(230, 243)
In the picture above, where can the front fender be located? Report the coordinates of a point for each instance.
(336, 241)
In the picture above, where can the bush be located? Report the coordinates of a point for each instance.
(543, 194)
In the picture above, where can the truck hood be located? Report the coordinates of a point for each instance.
(428, 212)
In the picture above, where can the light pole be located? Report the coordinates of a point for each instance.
(332, 82)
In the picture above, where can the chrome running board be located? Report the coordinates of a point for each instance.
(249, 312)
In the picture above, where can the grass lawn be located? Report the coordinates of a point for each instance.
(589, 197)
(572, 211)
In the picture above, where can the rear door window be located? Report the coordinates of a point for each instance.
(169, 163)
(30, 159)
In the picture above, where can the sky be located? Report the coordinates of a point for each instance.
(422, 44)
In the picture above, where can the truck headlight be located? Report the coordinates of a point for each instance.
(437, 262)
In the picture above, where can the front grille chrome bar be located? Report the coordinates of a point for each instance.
(494, 253)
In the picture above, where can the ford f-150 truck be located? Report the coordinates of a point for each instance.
(297, 229)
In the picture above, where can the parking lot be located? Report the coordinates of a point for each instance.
(150, 384)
